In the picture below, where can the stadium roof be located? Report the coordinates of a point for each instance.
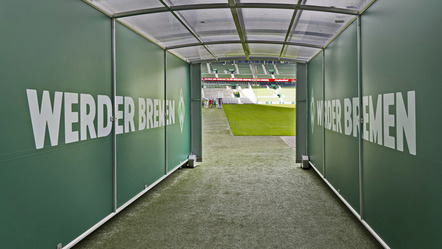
(208, 30)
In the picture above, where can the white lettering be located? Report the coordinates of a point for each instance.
(347, 117)
(161, 113)
(376, 120)
(103, 101)
(389, 141)
(87, 119)
(365, 117)
(129, 113)
(355, 117)
(44, 115)
(320, 108)
(149, 112)
(118, 115)
(406, 122)
(70, 117)
(155, 113)
(338, 116)
(141, 114)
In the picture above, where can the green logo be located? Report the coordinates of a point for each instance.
(181, 111)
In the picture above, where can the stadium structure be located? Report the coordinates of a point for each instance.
(254, 82)
(101, 101)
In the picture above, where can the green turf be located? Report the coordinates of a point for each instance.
(261, 120)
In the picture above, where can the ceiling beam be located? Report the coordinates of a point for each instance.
(292, 22)
(239, 24)
(248, 41)
(234, 5)
(242, 58)
(188, 28)
(299, 7)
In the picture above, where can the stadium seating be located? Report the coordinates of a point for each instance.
(223, 68)
(286, 70)
(210, 75)
(285, 76)
(246, 101)
(244, 69)
(264, 92)
(289, 94)
(266, 95)
(269, 66)
(258, 69)
(204, 68)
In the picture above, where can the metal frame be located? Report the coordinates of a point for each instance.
(323, 113)
(114, 134)
(234, 5)
(232, 58)
(235, 9)
(361, 192)
(184, 23)
(239, 24)
(165, 121)
(248, 41)
(292, 25)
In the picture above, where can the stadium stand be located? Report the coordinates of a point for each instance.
(223, 68)
(288, 94)
(224, 75)
(265, 76)
(264, 95)
(285, 76)
(261, 93)
(249, 94)
(246, 101)
(205, 68)
(244, 71)
(231, 101)
(269, 67)
(258, 69)
(264, 92)
(286, 70)
(210, 75)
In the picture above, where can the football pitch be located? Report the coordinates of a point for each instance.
(261, 120)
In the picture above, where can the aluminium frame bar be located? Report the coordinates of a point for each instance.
(239, 24)
(360, 142)
(292, 26)
(232, 58)
(299, 44)
(323, 115)
(115, 121)
(235, 6)
(165, 120)
(188, 28)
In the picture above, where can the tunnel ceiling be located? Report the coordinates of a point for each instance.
(209, 30)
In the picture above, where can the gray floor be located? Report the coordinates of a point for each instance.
(248, 193)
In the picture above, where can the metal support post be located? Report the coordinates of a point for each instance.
(361, 193)
(114, 134)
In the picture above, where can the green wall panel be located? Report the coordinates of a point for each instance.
(402, 188)
(140, 150)
(341, 86)
(52, 194)
(178, 90)
(315, 131)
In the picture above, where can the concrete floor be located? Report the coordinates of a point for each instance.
(247, 193)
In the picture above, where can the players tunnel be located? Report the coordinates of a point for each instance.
(101, 100)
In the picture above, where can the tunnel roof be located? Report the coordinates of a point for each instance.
(211, 30)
